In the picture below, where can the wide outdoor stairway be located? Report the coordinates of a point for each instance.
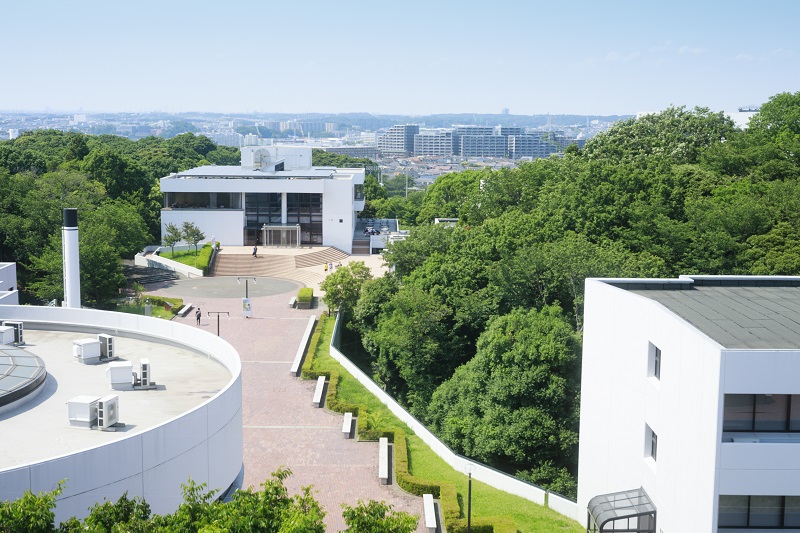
(269, 265)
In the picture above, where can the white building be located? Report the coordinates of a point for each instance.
(275, 194)
(9, 294)
(690, 405)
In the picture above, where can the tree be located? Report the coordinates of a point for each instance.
(32, 513)
(377, 517)
(173, 236)
(129, 227)
(192, 235)
(343, 286)
(515, 404)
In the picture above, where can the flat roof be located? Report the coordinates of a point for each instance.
(40, 429)
(238, 172)
(738, 312)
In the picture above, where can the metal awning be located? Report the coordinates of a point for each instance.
(626, 511)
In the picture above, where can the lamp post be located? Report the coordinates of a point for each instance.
(227, 314)
(246, 279)
(469, 468)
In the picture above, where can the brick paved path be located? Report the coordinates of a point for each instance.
(281, 428)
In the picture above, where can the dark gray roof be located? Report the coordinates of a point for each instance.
(736, 315)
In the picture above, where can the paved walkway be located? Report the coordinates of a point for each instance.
(281, 428)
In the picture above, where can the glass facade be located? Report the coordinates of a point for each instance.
(305, 209)
(761, 412)
(202, 200)
(260, 209)
(756, 512)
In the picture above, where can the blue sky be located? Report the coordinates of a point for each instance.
(405, 57)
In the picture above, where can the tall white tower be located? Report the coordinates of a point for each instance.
(71, 259)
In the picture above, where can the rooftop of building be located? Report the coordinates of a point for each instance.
(238, 172)
(39, 429)
(738, 312)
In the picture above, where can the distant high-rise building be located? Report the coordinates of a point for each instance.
(509, 130)
(226, 139)
(504, 111)
(398, 140)
(13, 134)
(434, 144)
(483, 146)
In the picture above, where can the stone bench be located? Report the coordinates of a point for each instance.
(317, 401)
(347, 425)
(429, 511)
(297, 364)
(183, 311)
(383, 460)
(292, 301)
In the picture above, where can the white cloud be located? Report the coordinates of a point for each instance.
(744, 57)
(782, 53)
(615, 57)
(686, 49)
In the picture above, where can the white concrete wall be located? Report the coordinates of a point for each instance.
(480, 472)
(618, 399)
(204, 443)
(225, 225)
(337, 205)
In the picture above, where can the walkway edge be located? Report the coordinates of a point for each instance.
(297, 365)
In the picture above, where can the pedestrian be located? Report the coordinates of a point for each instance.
(197, 315)
(255, 250)
(330, 266)
(325, 266)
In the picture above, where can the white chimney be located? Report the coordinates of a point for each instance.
(72, 271)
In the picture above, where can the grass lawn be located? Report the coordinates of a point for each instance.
(423, 463)
(187, 257)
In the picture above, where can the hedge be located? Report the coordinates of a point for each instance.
(204, 258)
(305, 295)
(175, 303)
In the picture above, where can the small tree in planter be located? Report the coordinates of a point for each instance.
(173, 236)
(192, 234)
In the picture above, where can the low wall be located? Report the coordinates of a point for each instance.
(480, 472)
(156, 261)
(204, 443)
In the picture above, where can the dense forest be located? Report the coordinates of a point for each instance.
(111, 180)
(477, 329)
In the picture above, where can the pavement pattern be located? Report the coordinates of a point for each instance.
(281, 427)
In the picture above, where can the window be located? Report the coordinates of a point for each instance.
(654, 361)
(761, 412)
(755, 512)
(650, 443)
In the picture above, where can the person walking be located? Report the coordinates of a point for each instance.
(255, 250)
(197, 315)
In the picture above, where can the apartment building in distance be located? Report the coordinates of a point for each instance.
(690, 405)
(398, 140)
(438, 143)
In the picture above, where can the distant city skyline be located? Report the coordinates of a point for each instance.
(410, 58)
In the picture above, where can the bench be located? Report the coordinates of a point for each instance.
(183, 311)
(383, 460)
(430, 512)
(297, 364)
(317, 401)
(347, 425)
(292, 301)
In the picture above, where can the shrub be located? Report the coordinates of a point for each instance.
(305, 295)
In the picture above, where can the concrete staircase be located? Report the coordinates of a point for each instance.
(320, 257)
(291, 267)
(361, 246)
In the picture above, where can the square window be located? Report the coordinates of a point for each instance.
(733, 511)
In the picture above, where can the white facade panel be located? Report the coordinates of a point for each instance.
(162, 485)
(226, 226)
(761, 371)
(180, 435)
(619, 401)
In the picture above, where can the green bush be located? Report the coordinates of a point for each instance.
(305, 295)
(160, 301)
(204, 258)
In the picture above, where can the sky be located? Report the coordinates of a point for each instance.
(410, 57)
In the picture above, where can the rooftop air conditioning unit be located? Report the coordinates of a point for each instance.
(144, 367)
(106, 346)
(108, 412)
(18, 331)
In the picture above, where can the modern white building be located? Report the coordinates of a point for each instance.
(9, 294)
(274, 197)
(398, 140)
(690, 405)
